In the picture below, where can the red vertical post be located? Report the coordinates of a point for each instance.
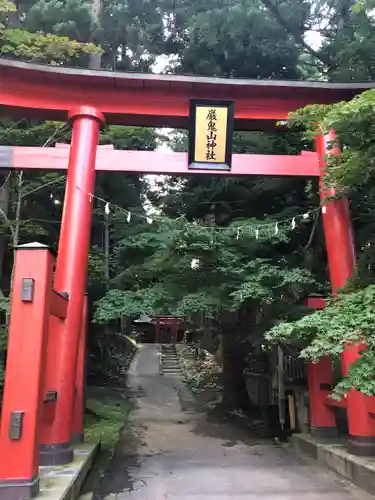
(336, 221)
(79, 402)
(71, 271)
(341, 263)
(174, 328)
(341, 260)
(157, 331)
(322, 418)
(320, 381)
(23, 391)
(361, 422)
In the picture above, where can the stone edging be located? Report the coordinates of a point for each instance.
(359, 470)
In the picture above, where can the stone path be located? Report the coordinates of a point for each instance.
(175, 452)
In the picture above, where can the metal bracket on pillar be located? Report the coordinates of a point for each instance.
(51, 397)
(16, 425)
(27, 290)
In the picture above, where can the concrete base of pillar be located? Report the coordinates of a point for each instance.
(362, 446)
(11, 490)
(55, 454)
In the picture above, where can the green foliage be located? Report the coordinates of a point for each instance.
(138, 138)
(104, 422)
(132, 34)
(233, 272)
(235, 39)
(37, 47)
(364, 4)
(354, 125)
(201, 373)
(66, 18)
(349, 319)
(7, 6)
(47, 31)
(32, 133)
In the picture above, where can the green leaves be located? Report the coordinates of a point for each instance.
(118, 303)
(37, 47)
(67, 18)
(239, 39)
(7, 6)
(354, 125)
(349, 319)
(363, 5)
(159, 277)
(47, 31)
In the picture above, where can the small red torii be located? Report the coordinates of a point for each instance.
(167, 320)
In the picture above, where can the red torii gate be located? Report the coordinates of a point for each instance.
(167, 320)
(88, 99)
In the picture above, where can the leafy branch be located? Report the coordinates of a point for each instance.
(295, 33)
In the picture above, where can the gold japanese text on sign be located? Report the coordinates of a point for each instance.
(211, 130)
(211, 134)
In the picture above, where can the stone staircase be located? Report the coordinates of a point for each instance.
(169, 362)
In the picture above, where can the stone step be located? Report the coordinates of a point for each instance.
(169, 361)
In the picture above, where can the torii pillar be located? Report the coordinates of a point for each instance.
(71, 273)
(341, 260)
(341, 263)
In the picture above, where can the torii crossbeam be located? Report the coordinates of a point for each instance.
(156, 162)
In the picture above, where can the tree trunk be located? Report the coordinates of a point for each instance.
(95, 60)
(230, 372)
(235, 394)
(4, 204)
(106, 250)
(235, 327)
(16, 229)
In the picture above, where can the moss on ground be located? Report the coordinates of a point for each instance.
(104, 420)
(105, 417)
